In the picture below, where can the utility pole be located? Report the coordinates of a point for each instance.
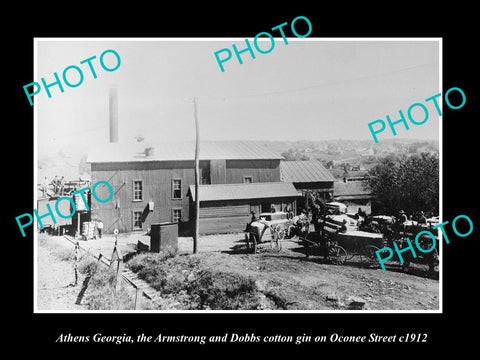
(197, 178)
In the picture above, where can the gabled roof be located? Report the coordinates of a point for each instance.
(350, 188)
(304, 171)
(180, 151)
(244, 191)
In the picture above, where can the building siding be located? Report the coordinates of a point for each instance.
(156, 177)
(218, 217)
(259, 170)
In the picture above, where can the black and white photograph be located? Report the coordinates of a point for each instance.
(261, 180)
(285, 203)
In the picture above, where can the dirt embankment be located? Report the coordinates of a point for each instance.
(228, 278)
(283, 281)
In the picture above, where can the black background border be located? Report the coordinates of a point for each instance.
(29, 331)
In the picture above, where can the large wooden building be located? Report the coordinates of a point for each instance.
(151, 183)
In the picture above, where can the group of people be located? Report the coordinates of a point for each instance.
(98, 229)
(300, 221)
(57, 184)
(420, 218)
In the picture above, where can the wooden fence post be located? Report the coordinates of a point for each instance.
(197, 179)
(136, 297)
(77, 257)
(118, 279)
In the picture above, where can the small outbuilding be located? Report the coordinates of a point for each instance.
(308, 176)
(354, 194)
(226, 208)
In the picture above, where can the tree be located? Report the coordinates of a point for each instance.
(406, 183)
(294, 155)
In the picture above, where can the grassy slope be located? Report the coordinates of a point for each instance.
(280, 281)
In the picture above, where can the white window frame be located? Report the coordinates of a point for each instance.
(134, 191)
(133, 219)
(248, 177)
(173, 214)
(173, 189)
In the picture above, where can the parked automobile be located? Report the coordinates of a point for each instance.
(336, 207)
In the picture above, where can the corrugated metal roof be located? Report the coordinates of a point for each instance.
(350, 188)
(304, 171)
(178, 151)
(353, 197)
(244, 191)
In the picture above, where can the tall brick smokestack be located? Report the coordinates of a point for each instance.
(113, 114)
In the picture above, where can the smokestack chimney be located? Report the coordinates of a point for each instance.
(113, 114)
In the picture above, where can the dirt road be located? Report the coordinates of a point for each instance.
(55, 277)
(290, 280)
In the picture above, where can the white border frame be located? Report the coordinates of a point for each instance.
(330, 39)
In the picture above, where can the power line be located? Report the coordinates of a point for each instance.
(315, 86)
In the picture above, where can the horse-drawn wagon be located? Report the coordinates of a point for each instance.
(344, 230)
(399, 233)
(342, 237)
(269, 228)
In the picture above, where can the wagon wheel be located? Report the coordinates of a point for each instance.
(352, 252)
(337, 255)
(436, 260)
(350, 256)
(432, 261)
(369, 256)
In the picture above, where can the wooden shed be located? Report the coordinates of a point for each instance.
(226, 208)
(354, 194)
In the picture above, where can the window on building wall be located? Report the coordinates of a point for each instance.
(137, 190)
(137, 220)
(176, 215)
(176, 189)
(247, 179)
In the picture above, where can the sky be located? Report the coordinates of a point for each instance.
(310, 89)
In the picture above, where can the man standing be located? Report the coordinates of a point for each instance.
(289, 212)
(55, 184)
(45, 186)
(315, 215)
(100, 228)
(61, 184)
(422, 219)
(402, 217)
